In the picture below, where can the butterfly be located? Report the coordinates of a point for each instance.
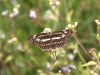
(51, 40)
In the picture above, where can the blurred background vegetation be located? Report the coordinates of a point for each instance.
(21, 18)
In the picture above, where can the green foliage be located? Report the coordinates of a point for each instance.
(95, 62)
(19, 57)
(89, 63)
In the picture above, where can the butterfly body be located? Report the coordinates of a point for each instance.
(52, 40)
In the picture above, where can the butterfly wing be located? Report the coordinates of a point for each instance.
(51, 40)
(42, 40)
(60, 37)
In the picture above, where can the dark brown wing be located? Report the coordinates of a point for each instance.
(60, 37)
(52, 40)
(42, 40)
(35, 39)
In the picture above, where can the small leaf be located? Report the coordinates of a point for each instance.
(99, 55)
(69, 16)
(54, 64)
(89, 63)
(8, 58)
(99, 68)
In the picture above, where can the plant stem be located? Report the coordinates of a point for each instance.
(54, 57)
(76, 38)
(62, 69)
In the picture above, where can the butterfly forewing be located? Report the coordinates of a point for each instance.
(47, 41)
(42, 40)
(35, 39)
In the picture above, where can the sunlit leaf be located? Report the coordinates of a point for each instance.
(69, 16)
(89, 63)
(8, 58)
(99, 55)
(55, 64)
(12, 40)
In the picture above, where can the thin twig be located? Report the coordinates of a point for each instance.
(54, 57)
(82, 46)
(62, 69)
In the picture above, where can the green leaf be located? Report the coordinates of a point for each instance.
(8, 58)
(99, 55)
(69, 16)
(54, 64)
(89, 63)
